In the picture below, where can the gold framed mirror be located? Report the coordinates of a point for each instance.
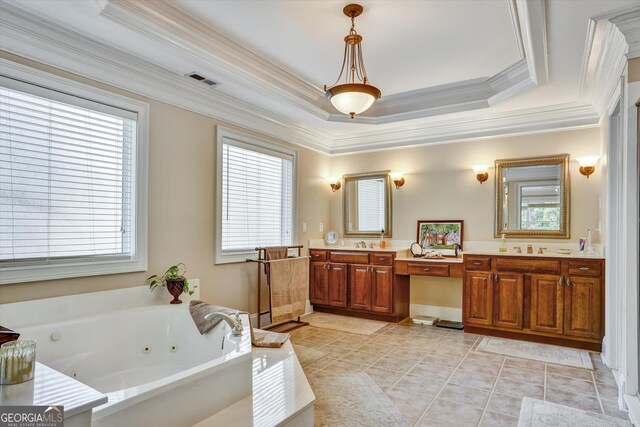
(532, 197)
(366, 206)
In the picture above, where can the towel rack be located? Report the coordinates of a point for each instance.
(262, 261)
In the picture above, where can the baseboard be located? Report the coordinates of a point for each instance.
(633, 404)
(443, 313)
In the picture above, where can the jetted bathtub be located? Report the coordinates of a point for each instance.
(152, 363)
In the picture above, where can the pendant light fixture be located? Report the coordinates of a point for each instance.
(355, 95)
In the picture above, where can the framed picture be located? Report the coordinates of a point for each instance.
(440, 235)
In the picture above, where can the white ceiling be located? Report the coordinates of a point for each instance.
(277, 54)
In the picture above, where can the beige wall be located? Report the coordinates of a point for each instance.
(634, 70)
(182, 169)
(441, 185)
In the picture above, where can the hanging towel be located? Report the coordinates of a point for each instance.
(276, 252)
(260, 338)
(199, 309)
(288, 282)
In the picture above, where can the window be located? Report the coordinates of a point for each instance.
(256, 188)
(69, 169)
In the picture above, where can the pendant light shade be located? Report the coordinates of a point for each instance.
(355, 95)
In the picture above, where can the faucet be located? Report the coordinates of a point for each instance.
(236, 324)
(457, 248)
(361, 244)
(518, 249)
(541, 250)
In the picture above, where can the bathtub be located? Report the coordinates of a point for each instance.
(151, 362)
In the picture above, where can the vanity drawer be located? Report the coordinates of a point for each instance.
(584, 268)
(424, 269)
(481, 263)
(528, 265)
(381, 259)
(350, 257)
(317, 255)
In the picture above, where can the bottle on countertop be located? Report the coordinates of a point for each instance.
(383, 244)
(503, 244)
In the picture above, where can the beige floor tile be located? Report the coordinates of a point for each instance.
(395, 364)
(475, 365)
(517, 388)
(575, 400)
(491, 419)
(571, 384)
(450, 350)
(604, 377)
(383, 377)
(344, 367)
(607, 392)
(429, 370)
(376, 348)
(348, 342)
(505, 404)
(410, 405)
(322, 362)
(568, 371)
(481, 356)
(443, 359)
(612, 409)
(361, 357)
(388, 340)
(419, 385)
(446, 413)
(465, 395)
(524, 375)
(409, 352)
(320, 339)
(524, 364)
(473, 379)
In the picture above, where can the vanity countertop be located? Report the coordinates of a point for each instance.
(548, 254)
(351, 248)
(448, 260)
(50, 387)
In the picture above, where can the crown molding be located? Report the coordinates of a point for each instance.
(533, 28)
(537, 120)
(32, 37)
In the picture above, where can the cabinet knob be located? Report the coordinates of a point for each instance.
(426, 269)
(568, 282)
(584, 268)
(477, 263)
(560, 280)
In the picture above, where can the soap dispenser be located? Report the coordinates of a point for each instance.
(383, 244)
(503, 244)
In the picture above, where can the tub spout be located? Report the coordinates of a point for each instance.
(236, 324)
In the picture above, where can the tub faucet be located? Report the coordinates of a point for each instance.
(235, 324)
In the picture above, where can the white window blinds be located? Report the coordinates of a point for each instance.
(257, 197)
(371, 204)
(66, 178)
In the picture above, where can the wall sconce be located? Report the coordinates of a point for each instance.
(334, 183)
(588, 164)
(481, 172)
(397, 178)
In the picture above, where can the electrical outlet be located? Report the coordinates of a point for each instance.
(304, 227)
(321, 227)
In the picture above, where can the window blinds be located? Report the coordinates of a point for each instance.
(66, 178)
(257, 198)
(371, 205)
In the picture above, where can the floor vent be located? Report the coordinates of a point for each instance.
(202, 79)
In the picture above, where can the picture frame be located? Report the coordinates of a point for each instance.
(440, 235)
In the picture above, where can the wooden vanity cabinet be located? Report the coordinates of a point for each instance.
(361, 284)
(553, 300)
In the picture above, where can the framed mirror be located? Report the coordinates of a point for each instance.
(367, 204)
(532, 197)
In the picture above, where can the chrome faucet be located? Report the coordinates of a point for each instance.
(235, 324)
(518, 249)
(361, 244)
(457, 248)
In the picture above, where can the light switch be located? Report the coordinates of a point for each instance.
(304, 227)
(321, 227)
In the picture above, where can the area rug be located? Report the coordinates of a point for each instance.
(344, 323)
(347, 400)
(537, 413)
(540, 352)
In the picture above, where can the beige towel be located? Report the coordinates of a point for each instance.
(276, 252)
(199, 309)
(289, 279)
(260, 338)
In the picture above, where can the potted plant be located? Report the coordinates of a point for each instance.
(174, 280)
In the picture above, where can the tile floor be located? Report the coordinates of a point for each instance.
(436, 378)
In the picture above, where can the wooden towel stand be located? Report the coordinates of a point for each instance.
(262, 260)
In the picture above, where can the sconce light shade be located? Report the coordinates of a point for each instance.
(481, 172)
(398, 179)
(334, 183)
(588, 164)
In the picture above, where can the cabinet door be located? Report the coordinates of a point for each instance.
(583, 307)
(547, 302)
(382, 286)
(337, 284)
(318, 285)
(360, 287)
(508, 300)
(477, 304)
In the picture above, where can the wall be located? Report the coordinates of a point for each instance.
(181, 208)
(441, 185)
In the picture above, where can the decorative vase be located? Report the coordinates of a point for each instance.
(175, 288)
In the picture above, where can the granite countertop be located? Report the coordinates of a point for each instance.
(450, 260)
(50, 387)
(551, 253)
(354, 249)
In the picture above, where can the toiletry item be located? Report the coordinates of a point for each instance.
(425, 320)
(529, 249)
(583, 240)
(17, 361)
(503, 244)
(588, 245)
(383, 244)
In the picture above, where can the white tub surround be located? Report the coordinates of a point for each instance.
(150, 361)
(281, 394)
(50, 387)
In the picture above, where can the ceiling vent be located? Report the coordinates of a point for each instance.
(202, 79)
